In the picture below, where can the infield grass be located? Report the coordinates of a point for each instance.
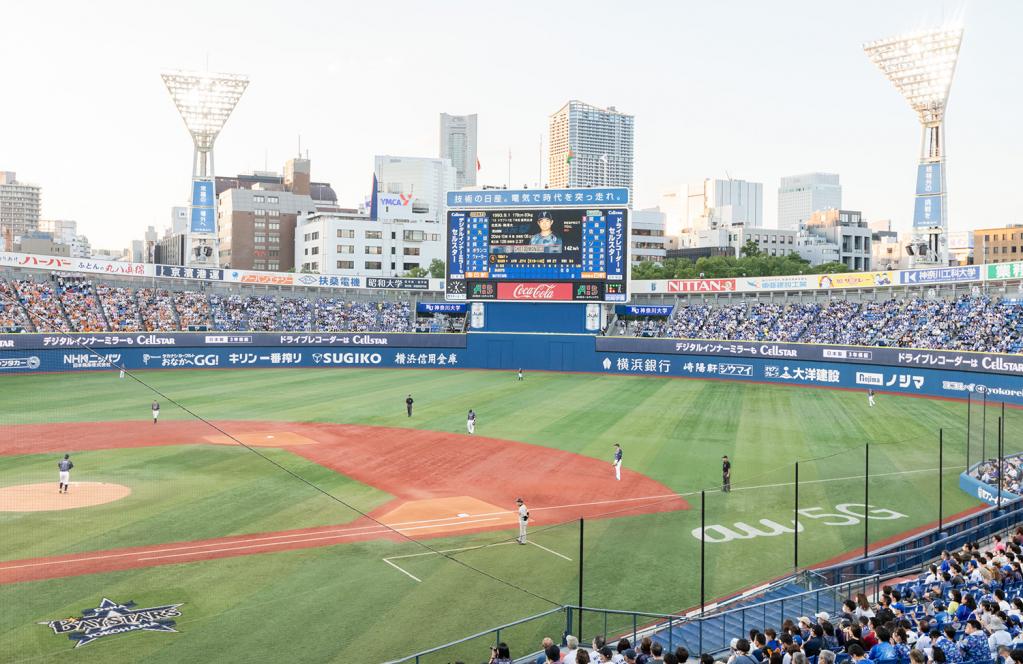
(344, 604)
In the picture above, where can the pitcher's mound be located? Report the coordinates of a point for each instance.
(44, 497)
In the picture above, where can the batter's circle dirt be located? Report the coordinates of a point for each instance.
(45, 497)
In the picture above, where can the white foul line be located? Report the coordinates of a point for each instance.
(414, 578)
(549, 551)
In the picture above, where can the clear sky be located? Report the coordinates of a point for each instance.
(753, 89)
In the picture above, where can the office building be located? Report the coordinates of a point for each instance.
(799, 196)
(20, 206)
(65, 232)
(646, 236)
(713, 204)
(998, 245)
(458, 145)
(349, 242)
(847, 230)
(407, 185)
(590, 147)
(257, 214)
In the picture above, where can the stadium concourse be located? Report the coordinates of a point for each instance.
(965, 608)
(76, 304)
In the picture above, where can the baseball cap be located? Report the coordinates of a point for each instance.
(822, 615)
(630, 653)
(518, 500)
(803, 619)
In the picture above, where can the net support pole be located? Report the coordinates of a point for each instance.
(983, 429)
(969, 409)
(795, 524)
(703, 551)
(941, 476)
(1001, 450)
(866, 499)
(582, 526)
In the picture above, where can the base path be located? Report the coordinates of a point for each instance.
(444, 484)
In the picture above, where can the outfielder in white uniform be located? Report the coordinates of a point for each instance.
(618, 462)
(470, 421)
(156, 411)
(870, 398)
(64, 467)
(523, 519)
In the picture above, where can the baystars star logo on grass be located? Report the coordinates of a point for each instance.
(112, 618)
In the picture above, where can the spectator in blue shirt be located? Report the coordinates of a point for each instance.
(946, 643)
(975, 646)
(884, 648)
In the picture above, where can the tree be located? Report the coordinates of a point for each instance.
(417, 272)
(437, 268)
(751, 248)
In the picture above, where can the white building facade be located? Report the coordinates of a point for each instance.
(458, 145)
(20, 207)
(419, 182)
(647, 235)
(590, 147)
(349, 243)
(725, 203)
(799, 196)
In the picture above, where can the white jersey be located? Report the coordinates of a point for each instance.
(523, 512)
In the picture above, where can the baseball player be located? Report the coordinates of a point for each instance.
(408, 405)
(523, 519)
(64, 466)
(870, 398)
(470, 421)
(122, 372)
(520, 374)
(156, 411)
(617, 463)
(726, 474)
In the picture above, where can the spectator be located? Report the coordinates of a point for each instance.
(552, 654)
(500, 654)
(546, 643)
(741, 653)
(571, 645)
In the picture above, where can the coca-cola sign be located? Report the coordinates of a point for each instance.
(535, 292)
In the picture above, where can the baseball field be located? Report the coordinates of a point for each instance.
(301, 515)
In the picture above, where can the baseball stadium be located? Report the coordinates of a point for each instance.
(287, 502)
(457, 421)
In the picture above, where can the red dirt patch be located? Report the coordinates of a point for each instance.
(434, 476)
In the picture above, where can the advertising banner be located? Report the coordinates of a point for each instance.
(203, 212)
(200, 340)
(442, 307)
(855, 280)
(999, 271)
(499, 198)
(928, 179)
(204, 220)
(900, 357)
(640, 310)
(87, 265)
(927, 211)
(180, 272)
(940, 275)
(701, 285)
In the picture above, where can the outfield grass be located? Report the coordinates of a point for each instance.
(342, 603)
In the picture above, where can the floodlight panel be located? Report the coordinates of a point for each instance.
(205, 101)
(920, 66)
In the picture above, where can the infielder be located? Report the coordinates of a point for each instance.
(617, 463)
(520, 374)
(408, 405)
(470, 421)
(870, 398)
(64, 466)
(156, 411)
(523, 519)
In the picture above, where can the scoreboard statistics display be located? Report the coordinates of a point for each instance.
(537, 254)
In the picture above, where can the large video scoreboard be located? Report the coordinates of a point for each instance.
(545, 254)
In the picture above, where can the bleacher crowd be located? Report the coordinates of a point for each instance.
(75, 304)
(963, 323)
(967, 608)
(1011, 474)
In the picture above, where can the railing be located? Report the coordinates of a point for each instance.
(713, 631)
(910, 555)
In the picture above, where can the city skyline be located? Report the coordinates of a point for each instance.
(809, 101)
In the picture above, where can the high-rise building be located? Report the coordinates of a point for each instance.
(257, 215)
(407, 185)
(998, 245)
(20, 206)
(799, 196)
(458, 145)
(716, 204)
(590, 147)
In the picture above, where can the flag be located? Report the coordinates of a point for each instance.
(570, 157)
(477, 163)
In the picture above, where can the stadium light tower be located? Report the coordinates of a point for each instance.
(921, 65)
(205, 101)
